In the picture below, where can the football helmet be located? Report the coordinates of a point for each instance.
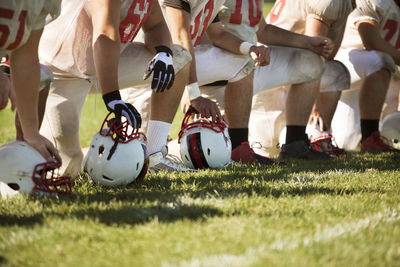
(204, 144)
(24, 170)
(390, 129)
(117, 155)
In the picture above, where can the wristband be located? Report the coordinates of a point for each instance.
(114, 95)
(193, 90)
(163, 48)
(245, 48)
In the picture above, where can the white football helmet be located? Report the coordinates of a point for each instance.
(117, 155)
(24, 170)
(204, 144)
(390, 128)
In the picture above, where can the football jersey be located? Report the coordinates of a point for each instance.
(386, 13)
(202, 14)
(18, 18)
(242, 18)
(66, 42)
(292, 14)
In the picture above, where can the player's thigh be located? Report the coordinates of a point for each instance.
(216, 64)
(134, 61)
(287, 66)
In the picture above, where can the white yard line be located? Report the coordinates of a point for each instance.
(251, 255)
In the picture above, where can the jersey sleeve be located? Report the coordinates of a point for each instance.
(370, 10)
(51, 10)
(327, 11)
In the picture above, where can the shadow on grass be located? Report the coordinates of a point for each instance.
(10, 220)
(135, 215)
(3, 260)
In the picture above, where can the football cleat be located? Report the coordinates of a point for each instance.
(327, 144)
(376, 143)
(301, 149)
(204, 144)
(162, 161)
(117, 155)
(243, 153)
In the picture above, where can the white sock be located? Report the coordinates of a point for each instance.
(157, 134)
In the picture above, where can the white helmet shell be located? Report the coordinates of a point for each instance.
(204, 144)
(111, 162)
(24, 170)
(390, 128)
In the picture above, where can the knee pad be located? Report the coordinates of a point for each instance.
(366, 62)
(336, 77)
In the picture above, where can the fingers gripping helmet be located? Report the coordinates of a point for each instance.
(117, 155)
(390, 128)
(204, 144)
(24, 170)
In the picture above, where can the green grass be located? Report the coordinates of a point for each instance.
(334, 213)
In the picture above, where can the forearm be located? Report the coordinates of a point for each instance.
(106, 43)
(179, 25)
(26, 83)
(373, 41)
(273, 35)
(223, 39)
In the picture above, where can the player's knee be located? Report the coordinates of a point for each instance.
(368, 62)
(182, 57)
(336, 77)
(311, 65)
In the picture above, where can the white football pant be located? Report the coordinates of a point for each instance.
(67, 97)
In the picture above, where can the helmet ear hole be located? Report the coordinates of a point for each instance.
(208, 151)
(14, 186)
(101, 151)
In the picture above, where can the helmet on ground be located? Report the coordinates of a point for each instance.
(204, 144)
(117, 155)
(24, 170)
(390, 128)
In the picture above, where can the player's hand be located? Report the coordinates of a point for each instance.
(6, 92)
(120, 108)
(260, 55)
(321, 45)
(206, 107)
(44, 146)
(316, 120)
(162, 68)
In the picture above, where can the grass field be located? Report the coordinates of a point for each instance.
(334, 213)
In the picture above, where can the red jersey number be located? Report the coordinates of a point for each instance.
(136, 16)
(392, 27)
(5, 30)
(255, 13)
(194, 29)
(276, 11)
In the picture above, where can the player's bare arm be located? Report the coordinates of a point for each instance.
(26, 85)
(156, 30)
(106, 53)
(228, 41)
(269, 34)
(158, 41)
(372, 40)
(106, 42)
(179, 21)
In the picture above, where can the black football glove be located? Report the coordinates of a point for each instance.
(120, 108)
(162, 69)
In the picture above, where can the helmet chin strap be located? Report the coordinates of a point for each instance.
(114, 147)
